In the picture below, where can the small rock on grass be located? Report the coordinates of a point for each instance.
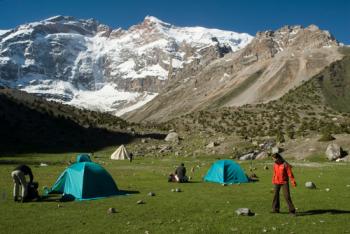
(310, 185)
(111, 210)
(139, 202)
(151, 194)
(244, 212)
(178, 190)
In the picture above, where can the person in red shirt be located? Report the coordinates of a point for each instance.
(282, 172)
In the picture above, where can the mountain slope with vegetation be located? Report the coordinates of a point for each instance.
(317, 106)
(32, 124)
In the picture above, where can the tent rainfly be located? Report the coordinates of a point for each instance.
(120, 154)
(226, 172)
(85, 181)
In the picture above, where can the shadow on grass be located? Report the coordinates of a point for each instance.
(69, 198)
(323, 211)
(126, 192)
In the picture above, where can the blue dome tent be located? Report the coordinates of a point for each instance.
(83, 158)
(226, 172)
(85, 181)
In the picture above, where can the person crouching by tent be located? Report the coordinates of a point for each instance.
(282, 171)
(180, 174)
(19, 179)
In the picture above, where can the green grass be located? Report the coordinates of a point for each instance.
(200, 208)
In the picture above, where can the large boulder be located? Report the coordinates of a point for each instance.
(333, 151)
(172, 137)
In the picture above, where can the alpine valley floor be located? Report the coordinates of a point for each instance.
(199, 208)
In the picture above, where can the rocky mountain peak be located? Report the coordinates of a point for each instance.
(151, 20)
(268, 43)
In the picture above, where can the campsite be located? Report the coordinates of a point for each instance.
(200, 207)
(162, 117)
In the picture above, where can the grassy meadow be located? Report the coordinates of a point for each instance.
(199, 208)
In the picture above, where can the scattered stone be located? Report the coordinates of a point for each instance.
(59, 206)
(43, 165)
(172, 190)
(177, 153)
(333, 151)
(172, 137)
(146, 232)
(249, 156)
(261, 155)
(178, 190)
(212, 144)
(111, 210)
(165, 148)
(144, 140)
(344, 159)
(264, 230)
(139, 202)
(151, 194)
(328, 189)
(266, 167)
(348, 185)
(224, 184)
(310, 185)
(275, 150)
(244, 212)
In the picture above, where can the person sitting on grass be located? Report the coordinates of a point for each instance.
(180, 174)
(281, 172)
(19, 179)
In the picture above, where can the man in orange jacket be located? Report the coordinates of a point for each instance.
(281, 172)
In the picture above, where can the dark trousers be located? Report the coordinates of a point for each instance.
(276, 198)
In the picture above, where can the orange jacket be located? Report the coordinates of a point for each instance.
(281, 172)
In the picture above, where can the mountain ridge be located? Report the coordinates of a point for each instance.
(270, 65)
(67, 59)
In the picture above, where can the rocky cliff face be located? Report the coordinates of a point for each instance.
(90, 65)
(267, 68)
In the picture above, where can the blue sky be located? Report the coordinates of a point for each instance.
(240, 16)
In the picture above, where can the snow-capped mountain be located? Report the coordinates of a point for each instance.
(88, 64)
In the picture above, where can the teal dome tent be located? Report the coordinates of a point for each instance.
(85, 181)
(226, 172)
(83, 158)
